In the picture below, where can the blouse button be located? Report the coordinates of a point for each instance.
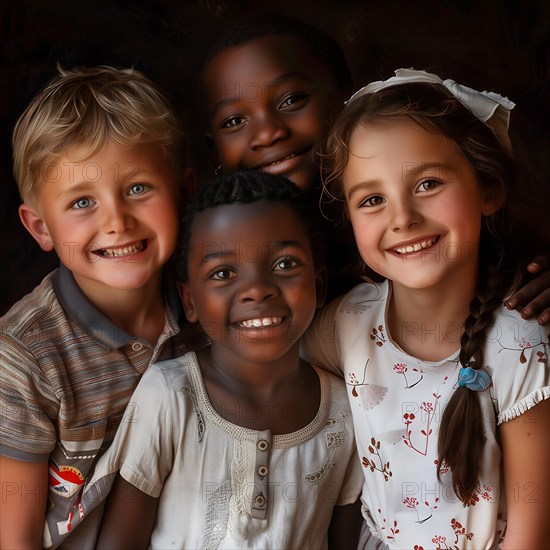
(259, 500)
(262, 471)
(137, 346)
(262, 445)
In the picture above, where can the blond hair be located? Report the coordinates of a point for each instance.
(88, 107)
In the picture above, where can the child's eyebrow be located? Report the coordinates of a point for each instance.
(361, 186)
(281, 79)
(219, 255)
(280, 245)
(226, 253)
(440, 168)
(233, 97)
(81, 187)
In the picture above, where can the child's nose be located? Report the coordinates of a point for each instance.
(404, 215)
(259, 289)
(267, 131)
(117, 218)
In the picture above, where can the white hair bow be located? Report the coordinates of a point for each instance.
(489, 107)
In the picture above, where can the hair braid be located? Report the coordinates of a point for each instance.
(463, 410)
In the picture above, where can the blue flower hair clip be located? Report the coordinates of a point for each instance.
(474, 379)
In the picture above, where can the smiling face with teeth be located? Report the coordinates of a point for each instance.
(415, 205)
(251, 281)
(269, 103)
(112, 217)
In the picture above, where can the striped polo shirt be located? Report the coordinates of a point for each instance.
(67, 374)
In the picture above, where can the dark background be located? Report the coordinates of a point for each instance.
(501, 45)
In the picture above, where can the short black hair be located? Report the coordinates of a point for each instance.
(245, 187)
(322, 46)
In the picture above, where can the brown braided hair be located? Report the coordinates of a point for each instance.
(503, 248)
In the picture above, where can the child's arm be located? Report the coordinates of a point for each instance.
(526, 460)
(128, 518)
(534, 297)
(23, 503)
(345, 526)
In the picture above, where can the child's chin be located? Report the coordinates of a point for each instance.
(302, 179)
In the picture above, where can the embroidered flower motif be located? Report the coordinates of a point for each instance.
(460, 531)
(427, 406)
(378, 336)
(410, 502)
(400, 368)
(378, 465)
(483, 491)
(524, 345)
(444, 466)
(393, 531)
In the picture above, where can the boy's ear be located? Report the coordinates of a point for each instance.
(188, 304)
(36, 226)
(188, 186)
(321, 286)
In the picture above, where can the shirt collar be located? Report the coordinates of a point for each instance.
(97, 325)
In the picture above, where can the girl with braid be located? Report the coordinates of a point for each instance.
(448, 388)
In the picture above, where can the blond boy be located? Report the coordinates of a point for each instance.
(96, 161)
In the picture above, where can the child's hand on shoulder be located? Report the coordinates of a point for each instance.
(533, 299)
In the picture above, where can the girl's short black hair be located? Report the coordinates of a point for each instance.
(321, 46)
(244, 187)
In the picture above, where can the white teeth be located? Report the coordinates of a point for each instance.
(414, 248)
(278, 161)
(123, 251)
(264, 322)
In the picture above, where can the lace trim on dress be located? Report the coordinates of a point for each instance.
(332, 440)
(238, 432)
(217, 515)
(201, 426)
(238, 479)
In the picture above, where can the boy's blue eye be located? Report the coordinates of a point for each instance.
(82, 203)
(137, 189)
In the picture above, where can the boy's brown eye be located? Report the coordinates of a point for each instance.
(222, 274)
(292, 100)
(285, 263)
(232, 122)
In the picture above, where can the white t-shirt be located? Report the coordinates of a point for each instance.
(224, 486)
(397, 401)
